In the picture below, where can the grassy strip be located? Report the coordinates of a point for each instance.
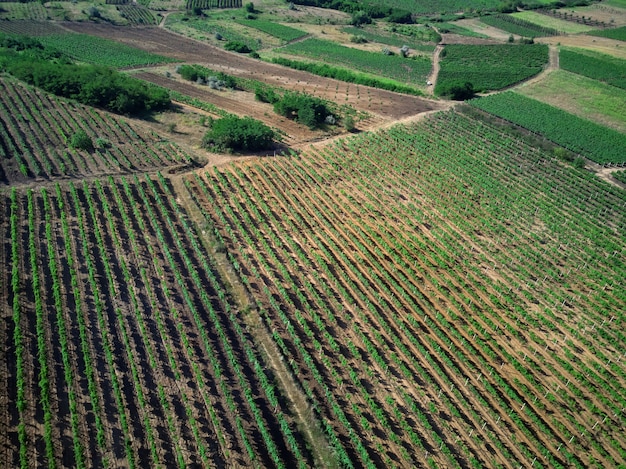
(348, 76)
(594, 141)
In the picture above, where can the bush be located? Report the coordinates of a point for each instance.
(238, 134)
(81, 141)
(236, 46)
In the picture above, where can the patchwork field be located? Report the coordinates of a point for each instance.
(416, 282)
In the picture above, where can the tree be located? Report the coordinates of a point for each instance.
(239, 134)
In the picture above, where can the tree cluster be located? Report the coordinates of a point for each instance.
(93, 85)
(238, 134)
(303, 108)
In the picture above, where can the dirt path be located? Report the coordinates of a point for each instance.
(432, 78)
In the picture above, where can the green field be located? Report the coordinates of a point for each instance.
(585, 97)
(406, 70)
(592, 140)
(422, 42)
(545, 21)
(620, 176)
(92, 49)
(490, 67)
(605, 68)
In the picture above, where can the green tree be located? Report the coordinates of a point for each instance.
(239, 134)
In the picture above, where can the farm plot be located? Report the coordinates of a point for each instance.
(441, 292)
(92, 49)
(386, 104)
(120, 344)
(490, 67)
(38, 132)
(549, 22)
(601, 67)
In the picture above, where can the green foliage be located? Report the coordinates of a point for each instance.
(305, 109)
(284, 33)
(490, 67)
(620, 176)
(598, 143)
(359, 18)
(250, 7)
(238, 134)
(236, 46)
(343, 74)
(605, 68)
(197, 73)
(89, 84)
(408, 71)
(81, 141)
(518, 26)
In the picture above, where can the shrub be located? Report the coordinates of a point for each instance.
(81, 141)
(238, 134)
(236, 46)
(456, 91)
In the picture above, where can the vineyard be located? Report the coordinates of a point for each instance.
(518, 26)
(442, 295)
(391, 66)
(410, 283)
(597, 66)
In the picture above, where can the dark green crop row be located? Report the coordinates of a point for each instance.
(605, 68)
